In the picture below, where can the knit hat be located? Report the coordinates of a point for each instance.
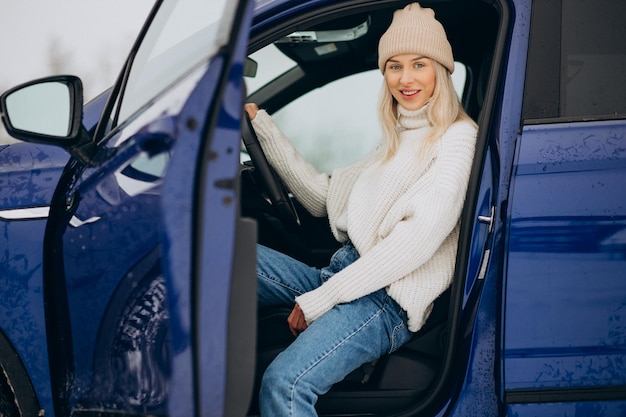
(414, 30)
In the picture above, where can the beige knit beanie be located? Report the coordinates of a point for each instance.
(415, 30)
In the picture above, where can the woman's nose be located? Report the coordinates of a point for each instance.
(405, 77)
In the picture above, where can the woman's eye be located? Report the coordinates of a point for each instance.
(394, 67)
(418, 65)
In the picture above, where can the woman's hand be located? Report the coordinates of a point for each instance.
(251, 109)
(297, 323)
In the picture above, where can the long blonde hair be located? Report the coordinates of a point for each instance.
(444, 108)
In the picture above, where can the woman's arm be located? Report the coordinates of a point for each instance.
(308, 185)
(430, 213)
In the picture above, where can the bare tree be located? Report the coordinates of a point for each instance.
(59, 59)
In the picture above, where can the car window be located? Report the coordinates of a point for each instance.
(183, 34)
(337, 124)
(271, 63)
(575, 69)
(334, 125)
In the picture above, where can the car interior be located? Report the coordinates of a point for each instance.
(322, 48)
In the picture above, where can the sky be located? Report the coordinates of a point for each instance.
(87, 38)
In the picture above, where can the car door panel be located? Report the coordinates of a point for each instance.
(565, 276)
(204, 238)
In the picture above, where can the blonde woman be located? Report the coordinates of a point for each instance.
(396, 213)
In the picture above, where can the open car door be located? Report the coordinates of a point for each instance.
(148, 270)
(212, 285)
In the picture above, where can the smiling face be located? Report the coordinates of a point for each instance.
(410, 79)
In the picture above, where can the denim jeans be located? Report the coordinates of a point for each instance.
(334, 345)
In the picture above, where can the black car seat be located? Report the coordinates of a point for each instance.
(402, 375)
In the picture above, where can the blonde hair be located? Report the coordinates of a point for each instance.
(444, 108)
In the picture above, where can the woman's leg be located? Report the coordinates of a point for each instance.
(281, 279)
(340, 341)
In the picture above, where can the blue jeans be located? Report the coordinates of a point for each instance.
(334, 345)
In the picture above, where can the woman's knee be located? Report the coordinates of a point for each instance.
(285, 391)
(276, 377)
(276, 390)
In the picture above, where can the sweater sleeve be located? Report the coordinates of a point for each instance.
(428, 213)
(309, 186)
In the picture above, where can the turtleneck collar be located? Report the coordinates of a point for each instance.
(412, 119)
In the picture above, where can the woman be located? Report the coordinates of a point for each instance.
(396, 212)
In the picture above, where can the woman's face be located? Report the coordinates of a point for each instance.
(410, 79)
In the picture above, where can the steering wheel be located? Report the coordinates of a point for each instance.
(274, 187)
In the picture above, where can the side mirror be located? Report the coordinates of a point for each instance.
(48, 110)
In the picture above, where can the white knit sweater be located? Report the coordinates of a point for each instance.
(402, 216)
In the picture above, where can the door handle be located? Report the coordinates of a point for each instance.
(488, 219)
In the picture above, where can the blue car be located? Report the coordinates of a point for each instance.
(130, 224)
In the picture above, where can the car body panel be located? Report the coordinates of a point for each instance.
(29, 174)
(563, 288)
(566, 258)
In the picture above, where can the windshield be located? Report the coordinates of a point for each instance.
(183, 34)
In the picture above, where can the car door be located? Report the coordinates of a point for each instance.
(565, 288)
(144, 255)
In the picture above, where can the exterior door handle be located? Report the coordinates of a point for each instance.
(488, 219)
